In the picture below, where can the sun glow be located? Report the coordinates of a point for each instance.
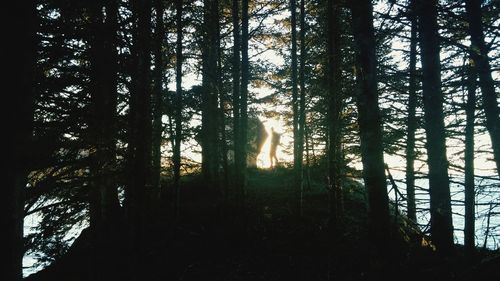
(263, 159)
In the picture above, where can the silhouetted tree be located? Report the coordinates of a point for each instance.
(370, 123)
(20, 132)
(158, 93)
(479, 54)
(470, 195)
(412, 119)
(241, 124)
(297, 164)
(235, 75)
(140, 130)
(209, 128)
(439, 182)
(104, 205)
(334, 80)
(176, 157)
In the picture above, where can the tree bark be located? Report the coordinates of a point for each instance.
(479, 55)
(370, 123)
(439, 182)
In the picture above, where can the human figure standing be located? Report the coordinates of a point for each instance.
(275, 141)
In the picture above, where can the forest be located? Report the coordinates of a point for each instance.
(252, 140)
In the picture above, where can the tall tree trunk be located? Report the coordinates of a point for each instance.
(370, 123)
(236, 98)
(158, 95)
(297, 165)
(439, 182)
(245, 73)
(104, 98)
(334, 78)
(140, 150)
(222, 111)
(209, 127)
(479, 54)
(412, 119)
(20, 134)
(470, 110)
(104, 204)
(302, 101)
(178, 107)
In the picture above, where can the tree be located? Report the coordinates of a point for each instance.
(369, 122)
(297, 160)
(479, 55)
(240, 97)
(21, 133)
(245, 78)
(176, 157)
(412, 119)
(209, 128)
(236, 63)
(334, 80)
(140, 130)
(470, 196)
(104, 205)
(439, 182)
(159, 67)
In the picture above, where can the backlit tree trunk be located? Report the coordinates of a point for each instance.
(479, 54)
(176, 157)
(370, 123)
(439, 182)
(297, 165)
(412, 119)
(333, 78)
(470, 110)
(158, 94)
(20, 133)
(210, 129)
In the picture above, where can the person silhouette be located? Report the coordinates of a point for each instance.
(275, 141)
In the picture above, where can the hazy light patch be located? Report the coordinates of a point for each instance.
(263, 159)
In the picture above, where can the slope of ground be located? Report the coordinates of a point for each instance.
(209, 242)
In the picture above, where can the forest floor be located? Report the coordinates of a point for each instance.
(271, 244)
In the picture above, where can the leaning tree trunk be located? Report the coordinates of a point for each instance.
(479, 54)
(23, 71)
(439, 182)
(370, 123)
